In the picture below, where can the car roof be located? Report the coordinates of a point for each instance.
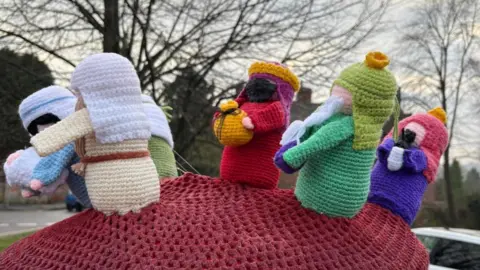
(464, 235)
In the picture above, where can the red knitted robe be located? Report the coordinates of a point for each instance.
(208, 223)
(252, 163)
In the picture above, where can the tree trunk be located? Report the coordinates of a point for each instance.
(448, 189)
(111, 40)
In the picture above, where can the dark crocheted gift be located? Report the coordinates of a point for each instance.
(205, 223)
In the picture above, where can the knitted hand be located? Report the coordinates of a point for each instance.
(280, 162)
(27, 191)
(397, 158)
(247, 123)
(414, 160)
(36, 184)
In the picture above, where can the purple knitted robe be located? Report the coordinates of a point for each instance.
(399, 191)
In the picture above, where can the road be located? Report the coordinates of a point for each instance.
(12, 221)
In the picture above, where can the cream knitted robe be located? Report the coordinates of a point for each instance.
(113, 186)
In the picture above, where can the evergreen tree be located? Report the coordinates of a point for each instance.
(191, 97)
(20, 76)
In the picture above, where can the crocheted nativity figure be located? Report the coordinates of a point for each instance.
(38, 111)
(334, 148)
(266, 101)
(111, 132)
(405, 168)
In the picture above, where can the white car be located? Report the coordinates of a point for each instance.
(451, 248)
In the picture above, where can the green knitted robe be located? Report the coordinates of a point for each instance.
(162, 156)
(334, 179)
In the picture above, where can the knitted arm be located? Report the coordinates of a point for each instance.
(384, 150)
(54, 138)
(327, 137)
(50, 168)
(414, 160)
(270, 118)
(240, 101)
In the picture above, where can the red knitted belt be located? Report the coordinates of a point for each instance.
(79, 168)
(125, 155)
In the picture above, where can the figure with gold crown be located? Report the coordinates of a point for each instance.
(251, 126)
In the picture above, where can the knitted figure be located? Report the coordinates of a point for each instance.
(160, 144)
(111, 131)
(334, 148)
(266, 99)
(209, 223)
(404, 169)
(38, 111)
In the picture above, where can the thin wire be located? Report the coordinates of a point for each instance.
(180, 170)
(184, 160)
(180, 167)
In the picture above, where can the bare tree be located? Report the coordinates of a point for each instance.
(217, 39)
(163, 38)
(436, 49)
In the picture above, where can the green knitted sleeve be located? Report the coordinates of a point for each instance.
(327, 137)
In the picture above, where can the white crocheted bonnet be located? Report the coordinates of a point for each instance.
(53, 99)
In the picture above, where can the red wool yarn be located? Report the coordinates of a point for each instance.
(208, 223)
(252, 163)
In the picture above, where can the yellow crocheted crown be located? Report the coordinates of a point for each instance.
(276, 70)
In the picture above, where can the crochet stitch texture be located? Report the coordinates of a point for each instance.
(112, 128)
(109, 84)
(207, 223)
(401, 191)
(373, 89)
(252, 163)
(334, 179)
(227, 125)
(162, 157)
(50, 167)
(437, 141)
(53, 99)
(278, 71)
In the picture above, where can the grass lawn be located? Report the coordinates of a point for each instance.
(8, 240)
